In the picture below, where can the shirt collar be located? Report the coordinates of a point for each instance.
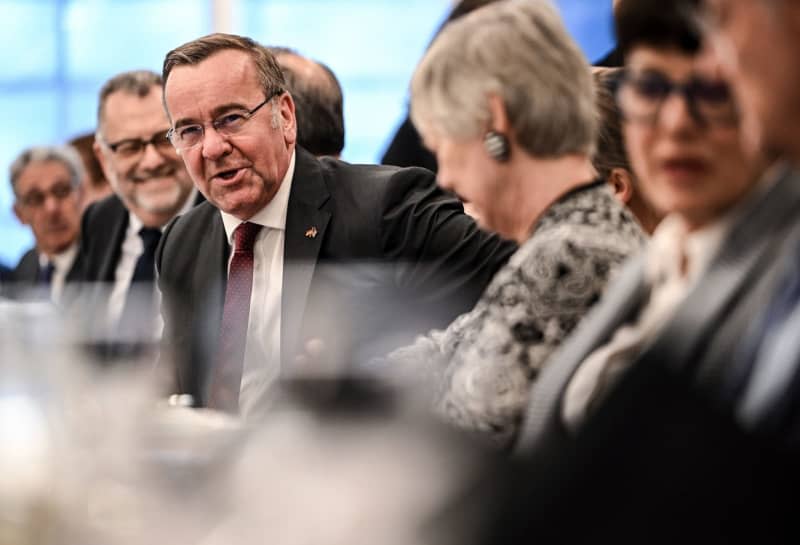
(273, 215)
(62, 261)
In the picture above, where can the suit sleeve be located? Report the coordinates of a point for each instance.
(441, 258)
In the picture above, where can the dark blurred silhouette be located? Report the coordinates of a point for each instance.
(406, 148)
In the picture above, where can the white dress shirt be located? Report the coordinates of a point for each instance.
(262, 354)
(132, 248)
(675, 260)
(62, 263)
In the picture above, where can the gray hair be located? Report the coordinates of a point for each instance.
(134, 82)
(520, 51)
(66, 155)
(196, 51)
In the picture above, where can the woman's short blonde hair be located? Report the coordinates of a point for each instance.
(520, 51)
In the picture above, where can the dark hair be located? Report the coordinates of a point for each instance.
(319, 108)
(658, 23)
(610, 152)
(84, 144)
(198, 50)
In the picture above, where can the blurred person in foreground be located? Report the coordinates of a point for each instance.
(505, 100)
(120, 233)
(94, 185)
(610, 159)
(290, 248)
(46, 181)
(758, 41)
(318, 102)
(626, 430)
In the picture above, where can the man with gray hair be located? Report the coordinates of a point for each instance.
(318, 102)
(289, 248)
(45, 183)
(151, 186)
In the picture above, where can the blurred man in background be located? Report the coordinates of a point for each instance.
(45, 182)
(151, 186)
(318, 103)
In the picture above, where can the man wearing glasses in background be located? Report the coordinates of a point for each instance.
(291, 249)
(151, 186)
(45, 182)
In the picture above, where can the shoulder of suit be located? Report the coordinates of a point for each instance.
(105, 210)
(27, 263)
(335, 169)
(198, 216)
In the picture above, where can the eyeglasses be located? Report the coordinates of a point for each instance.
(227, 124)
(641, 96)
(134, 147)
(36, 198)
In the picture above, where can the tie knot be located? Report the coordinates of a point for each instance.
(244, 236)
(150, 237)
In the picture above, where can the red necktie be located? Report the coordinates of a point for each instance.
(227, 373)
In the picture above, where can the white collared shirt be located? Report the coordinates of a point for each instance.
(62, 263)
(262, 355)
(132, 248)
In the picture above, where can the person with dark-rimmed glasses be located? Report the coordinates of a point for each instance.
(120, 233)
(636, 415)
(290, 251)
(45, 181)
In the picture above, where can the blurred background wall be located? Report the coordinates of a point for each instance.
(55, 54)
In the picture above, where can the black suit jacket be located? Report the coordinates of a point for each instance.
(103, 227)
(393, 255)
(22, 280)
(27, 270)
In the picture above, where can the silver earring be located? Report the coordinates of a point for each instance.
(497, 147)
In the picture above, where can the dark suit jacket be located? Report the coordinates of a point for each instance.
(27, 270)
(103, 227)
(23, 278)
(706, 328)
(393, 256)
(406, 149)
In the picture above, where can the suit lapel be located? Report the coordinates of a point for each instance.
(28, 267)
(306, 224)
(619, 305)
(753, 242)
(117, 225)
(210, 277)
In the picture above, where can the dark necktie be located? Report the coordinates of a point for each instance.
(227, 374)
(139, 311)
(45, 274)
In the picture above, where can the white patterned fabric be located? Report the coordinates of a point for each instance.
(482, 366)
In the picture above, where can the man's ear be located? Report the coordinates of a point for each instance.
(621, 182)
(101, 158)
(286, 117)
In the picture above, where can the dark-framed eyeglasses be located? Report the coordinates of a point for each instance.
(228, 124)
(35, 198)
(641, 96)
(134, 147)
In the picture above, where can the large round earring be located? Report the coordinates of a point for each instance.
(497, 146)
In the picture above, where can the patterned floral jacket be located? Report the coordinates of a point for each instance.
(482, 366)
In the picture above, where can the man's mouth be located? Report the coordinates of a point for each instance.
(227, 174)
